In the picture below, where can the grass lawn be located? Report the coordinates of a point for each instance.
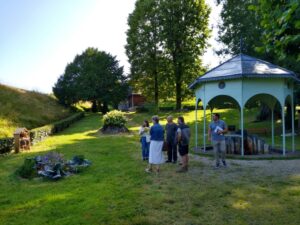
(116, 190)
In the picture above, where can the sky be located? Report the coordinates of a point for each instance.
(38, 38)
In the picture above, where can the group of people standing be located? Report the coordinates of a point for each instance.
(153, 138)
(177, 140)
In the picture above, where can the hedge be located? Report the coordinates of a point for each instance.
(6, 145)
(38, 134)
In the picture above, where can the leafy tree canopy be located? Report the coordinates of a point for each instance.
(165, 41)
(92, 76)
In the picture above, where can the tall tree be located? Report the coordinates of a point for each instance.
(281, 31)
(143, 49)
(92, 76)
(165, 42)
(184, 38)
(281, 36)
(239, 23)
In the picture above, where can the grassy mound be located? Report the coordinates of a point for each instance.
(30, 109)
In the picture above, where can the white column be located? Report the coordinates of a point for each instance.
(204, 128)
(272, 124)
(196, 125)
(293, 124)
(242, 131)
(283, 129)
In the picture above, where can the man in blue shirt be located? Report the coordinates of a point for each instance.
(217, 129)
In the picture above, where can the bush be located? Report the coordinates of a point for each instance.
(151, 107)
(114, 118)
(40, 133)
(141, 109)
(166, 108)
(6, 145)
(189, 107)
(28, 169)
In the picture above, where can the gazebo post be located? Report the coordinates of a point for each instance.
(196, 125)
(283, 129)
(242, 130)
(272, 124)
(204, 128)
(293, 124)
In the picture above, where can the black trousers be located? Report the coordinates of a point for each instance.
(172, 151)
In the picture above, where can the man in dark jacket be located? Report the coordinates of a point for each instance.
(171, 129)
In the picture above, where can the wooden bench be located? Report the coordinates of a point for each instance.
(22, 139)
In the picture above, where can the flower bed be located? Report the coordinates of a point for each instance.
(52, 165)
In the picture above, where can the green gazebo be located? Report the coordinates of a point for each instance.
(242, 79)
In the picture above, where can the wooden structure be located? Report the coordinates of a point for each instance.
(22, 139)
(135, 100)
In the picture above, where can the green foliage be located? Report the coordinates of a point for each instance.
(164, 43)
(281, 32)
(27, 170)
(270, 30)
(40, 133)
(143, 50)
(6, 145)
(92, 76)
(114, 118)
(239, 20)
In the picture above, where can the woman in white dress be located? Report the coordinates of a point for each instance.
(156, 156)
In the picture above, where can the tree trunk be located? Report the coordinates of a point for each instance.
(156, 88)
(178, 75)
(104, 109)
(94, 106)
(178, 95)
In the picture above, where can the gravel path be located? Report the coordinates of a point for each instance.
(237, 167)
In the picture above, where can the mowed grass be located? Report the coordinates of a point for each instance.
(116, 190)
(30, 109)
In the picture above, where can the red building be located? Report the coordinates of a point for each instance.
(135, 100)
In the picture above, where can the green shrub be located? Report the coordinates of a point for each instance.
(151, 107)
(141, 109)
(27, 170)
(166, 108)
(6, 145)
(40, 133)
(114, 118)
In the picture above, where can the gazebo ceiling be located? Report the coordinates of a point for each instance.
(244, 66)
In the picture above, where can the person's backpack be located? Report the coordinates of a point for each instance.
(185, 135)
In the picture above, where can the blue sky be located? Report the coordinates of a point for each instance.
(39, 37)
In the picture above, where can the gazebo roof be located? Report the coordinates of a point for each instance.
(242, 66)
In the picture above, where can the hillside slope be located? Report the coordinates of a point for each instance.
(30, 109)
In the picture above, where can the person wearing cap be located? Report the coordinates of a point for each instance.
(171, 129)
